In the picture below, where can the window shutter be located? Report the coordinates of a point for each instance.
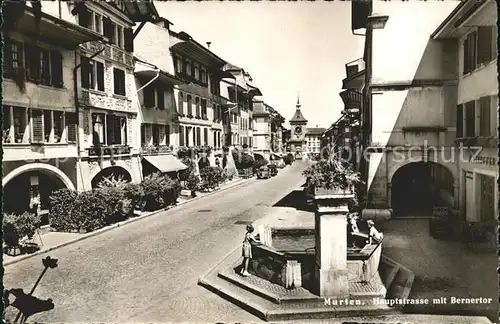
(56, 68)
(161, 98)
(107, 28)
(85, 70)
(181, 103)
(37, 124)
(7, 57)
(484, 44)
(70, 121)
(100, 76)
(129, 40)
(484, 116)
(460, 121)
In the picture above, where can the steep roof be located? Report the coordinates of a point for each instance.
(298, 117)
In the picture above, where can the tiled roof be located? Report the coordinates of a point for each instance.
(315, 131)
(298, 117)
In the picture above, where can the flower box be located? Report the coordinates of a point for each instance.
(318, 191)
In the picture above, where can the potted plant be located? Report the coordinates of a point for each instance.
(331, 177)
(19, 231)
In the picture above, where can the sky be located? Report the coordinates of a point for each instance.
(287, 47)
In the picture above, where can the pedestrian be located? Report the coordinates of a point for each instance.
(374, 235)
(247, 250)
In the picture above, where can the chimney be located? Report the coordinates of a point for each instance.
(208, 44)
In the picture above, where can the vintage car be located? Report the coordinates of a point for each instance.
(263, 173)
(273, 169)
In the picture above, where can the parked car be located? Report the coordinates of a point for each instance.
(263, 173)
(273, 169)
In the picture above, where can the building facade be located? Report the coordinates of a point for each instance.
(414, 93)
(313, 140)
(41, 147)
(469, 33)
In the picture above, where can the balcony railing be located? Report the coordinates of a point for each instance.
(98, 151)
(156, 149)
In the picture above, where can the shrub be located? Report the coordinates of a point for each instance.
(159, 191)
(134, 192)
(288, 159)
(192, 181)
(260, 163)
(242, 160)
(61, 217)
(212, 176)
(16, 227)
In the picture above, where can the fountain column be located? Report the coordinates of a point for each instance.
(331, 244)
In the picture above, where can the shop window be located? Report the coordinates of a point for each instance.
(119, 81)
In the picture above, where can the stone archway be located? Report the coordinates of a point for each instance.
(116, 172)
(39, 177)
(416, 187)
(258, 157)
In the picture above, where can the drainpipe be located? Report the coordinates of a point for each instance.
(77, 106)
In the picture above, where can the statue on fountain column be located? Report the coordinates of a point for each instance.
(355, 239)
(374, 235)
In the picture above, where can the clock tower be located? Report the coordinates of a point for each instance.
(298, 131)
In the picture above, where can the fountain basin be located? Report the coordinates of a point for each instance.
(290, 261)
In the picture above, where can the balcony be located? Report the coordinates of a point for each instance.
(156, 149)
(354, 67)
(108, 151)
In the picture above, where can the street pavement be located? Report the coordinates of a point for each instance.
(147, 271)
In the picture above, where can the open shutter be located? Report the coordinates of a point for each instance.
(129, 40)
(85, 70)
(56, 68)
(7, 57)
(100, 76)
(37, 124)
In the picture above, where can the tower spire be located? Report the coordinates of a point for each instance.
(298, 101)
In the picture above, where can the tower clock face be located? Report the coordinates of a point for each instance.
(298, 130)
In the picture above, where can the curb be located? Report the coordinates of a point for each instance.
(128, 221)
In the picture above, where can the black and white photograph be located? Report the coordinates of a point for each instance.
(250, 161)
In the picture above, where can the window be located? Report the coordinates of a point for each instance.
(20, 123)
(470, 119)
(85, 18)
(58, 125)
(119, 81)
(156, 134)
(116, 130)
(47, 125)
(203, 76)
(215, 139)
(37, 125)
(181, 103)
(143, 134)
(485, 116)
(479, 48)
(98, 129)
(92, 74)
(178, 64)
(108, 29)
(204, 108)
(189, 106)
(486, 193)
(181, 135)
(161, 98)
(70, 122)
(32, 55)
(119, 36)
(198, 136)
(214, 109)
(205, 136)
(197, 105)
(98, 24)
(196, 73)
(188, 68)
(149, 97)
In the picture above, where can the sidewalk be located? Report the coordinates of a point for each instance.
(49, 241)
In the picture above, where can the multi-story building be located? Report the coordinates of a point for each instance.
(241, 92)
(198, 108)
(41, 147)
(108, 138)
(277, 132)
(313, 140)
(262, 143)
(468, 36)
(410, 138)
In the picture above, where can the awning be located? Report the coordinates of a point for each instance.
(188, 46)
(166, 163)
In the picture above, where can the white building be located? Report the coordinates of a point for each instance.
(313, 139)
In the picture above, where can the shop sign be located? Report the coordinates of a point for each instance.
(485, 160)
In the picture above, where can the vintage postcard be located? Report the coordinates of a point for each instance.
(250, 162)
